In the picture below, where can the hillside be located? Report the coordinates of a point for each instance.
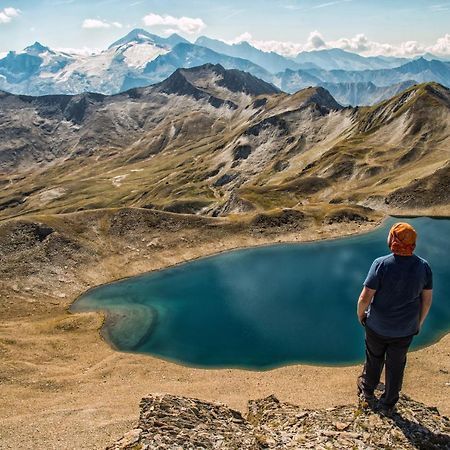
(213, 141)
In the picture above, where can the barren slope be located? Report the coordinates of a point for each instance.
(214, 142)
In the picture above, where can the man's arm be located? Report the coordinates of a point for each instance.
(364, 301)
(427, 298)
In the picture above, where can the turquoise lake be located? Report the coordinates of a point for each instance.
(264, 307)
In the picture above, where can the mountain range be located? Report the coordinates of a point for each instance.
(214, 141)
(141, 58)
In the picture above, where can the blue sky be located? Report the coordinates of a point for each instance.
(288, 26)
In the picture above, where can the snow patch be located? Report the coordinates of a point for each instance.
(93, 65)
(138, 55)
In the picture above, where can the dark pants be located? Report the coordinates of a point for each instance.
(391, 353)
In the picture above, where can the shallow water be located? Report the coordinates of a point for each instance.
(264, 307)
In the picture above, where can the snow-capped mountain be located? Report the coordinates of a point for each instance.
(141, 58)
(35, 60)
(138, 59)
(37, 70)
(141, 36)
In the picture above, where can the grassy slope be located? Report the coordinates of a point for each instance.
(351, 156)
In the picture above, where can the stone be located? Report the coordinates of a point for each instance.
(342, 425)
(169, 422)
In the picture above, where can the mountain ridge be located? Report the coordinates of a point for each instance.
(139, 35)
(214, 141)
(141, 58)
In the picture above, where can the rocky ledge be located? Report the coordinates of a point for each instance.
(179, 423)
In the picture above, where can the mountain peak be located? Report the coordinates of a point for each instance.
(175, 39)
(419, 100)
(317, 95)
(231, 79)
(214, 81)
(411, 95)
(36, 48)
(434, 90)
(141, 36)
(137, 35)
(178, 84)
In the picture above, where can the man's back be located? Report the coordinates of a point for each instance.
(398, 293)
(398, 281)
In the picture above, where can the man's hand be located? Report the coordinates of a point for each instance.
(364, 301)
(426, 300)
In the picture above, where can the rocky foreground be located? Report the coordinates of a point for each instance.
(171, 422)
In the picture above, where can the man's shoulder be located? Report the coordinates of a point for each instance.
(423, 261)
(384, 258)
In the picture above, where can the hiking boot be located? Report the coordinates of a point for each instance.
(387, 411)
(362, 391)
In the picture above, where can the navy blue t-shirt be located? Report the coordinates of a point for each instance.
(399, 281)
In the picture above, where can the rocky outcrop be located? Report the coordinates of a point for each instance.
(170, 422)
(431, 190)
(287, 220)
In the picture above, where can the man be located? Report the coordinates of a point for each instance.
(392, 307)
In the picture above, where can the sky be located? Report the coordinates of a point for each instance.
(367, 27)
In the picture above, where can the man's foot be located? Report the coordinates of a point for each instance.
(387, 411)
(367, 395)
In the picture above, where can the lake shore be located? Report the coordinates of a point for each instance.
(62, 386)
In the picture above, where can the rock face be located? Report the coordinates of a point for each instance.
(170, 422)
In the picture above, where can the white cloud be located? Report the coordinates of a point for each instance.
(244, 37)
(315, 41)
(99, 24)
(187, 25)
(7, 14)
(280, 47)
(357, 44)
(442, 46)
(283, 48)
(11, 12)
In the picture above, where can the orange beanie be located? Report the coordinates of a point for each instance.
(402, 239)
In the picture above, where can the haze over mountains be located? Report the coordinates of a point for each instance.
(140, 59)
(213, 141)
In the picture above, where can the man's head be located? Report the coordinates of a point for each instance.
(402, 239)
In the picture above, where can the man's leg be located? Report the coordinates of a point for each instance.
(375, 354)
(395, 366)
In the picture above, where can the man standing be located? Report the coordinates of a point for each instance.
(392, 307)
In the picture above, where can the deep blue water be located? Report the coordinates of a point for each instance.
(264, 307)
